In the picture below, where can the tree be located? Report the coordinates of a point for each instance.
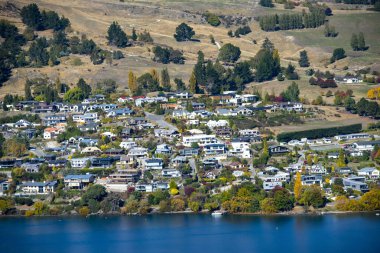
(361, 42)
(183, 32)
(297, 186)
(116, 36)
(155, 75)
(350, 104)
(312, 196)
(177, 204)
(304, 59)
(229, 53)
(28, 92)
(132, 82)
(341, 159)
(165, 80)
(282, 199)
(292, 93)
(266, 3)
(180, 84)
(96, 192)
(212, 19)
(31, 16)
(338, 54)
(193, 87)
(84, 87)
(354, 42)
(268, 205)
(134, 35)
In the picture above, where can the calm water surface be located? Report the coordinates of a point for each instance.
(192, 233)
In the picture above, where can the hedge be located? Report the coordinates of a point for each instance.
(319, 133)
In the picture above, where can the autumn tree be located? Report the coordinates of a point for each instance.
(193, 87)
(155, 75)
(132, 82)
(341, 159)
(297, 186)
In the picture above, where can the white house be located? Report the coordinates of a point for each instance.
(153, 164)
(217, 123)
(369, 172)
(79, 162)
(240, 149)
(200, 139)
(170, 173)
(127, 144)
(39, 187)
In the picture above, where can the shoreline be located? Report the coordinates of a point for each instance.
(289, 214)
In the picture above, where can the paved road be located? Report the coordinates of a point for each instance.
(160, 121)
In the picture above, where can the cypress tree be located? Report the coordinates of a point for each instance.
(304, 59)
(354, 42)
(165, 79)
(361, 42)
(193, 86)
(28, 92)
(134, 35)
(132, 82)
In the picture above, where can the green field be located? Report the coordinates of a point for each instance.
(345, 24)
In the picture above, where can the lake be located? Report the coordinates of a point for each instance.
(185, 233)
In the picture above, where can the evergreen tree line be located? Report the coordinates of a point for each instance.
(39, 21)
(289, 21)
(369, 2)
(358, 42)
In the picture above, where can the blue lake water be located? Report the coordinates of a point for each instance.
(185, 233)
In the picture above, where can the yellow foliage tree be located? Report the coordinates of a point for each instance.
(132, 82)
(341, 159)
(155, 75)
(297, 186)
(193, 84)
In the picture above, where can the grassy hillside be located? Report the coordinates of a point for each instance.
(160, 18)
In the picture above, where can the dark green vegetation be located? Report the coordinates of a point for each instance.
(183, 32)
(116, 36)
(319, 133)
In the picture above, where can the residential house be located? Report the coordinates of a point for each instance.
(240, 149)
(365, 145)
(276, 149)
(223, 132)
(170, 173)
(369, 172)
(200, 139)
(52, 120)
(120, 112)
(214, 149)
(128, 144)
(189, 152)
(153, 164)
(125, 176)
(166, 133)
(163, 149)
(217, 123)
(138, 152)
(79, 162)
(312, 180)
(4, 187)
(39, 187)
(78, 181)
(91, 151)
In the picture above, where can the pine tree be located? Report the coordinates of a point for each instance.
(134, 35)
(165, 80)
(200, 70)
(361, 42)
(155, 75)
(354, 42)
(265, 147)
(304, 59)
(28, 92)
(297, 186)
(132, 82)
(193, 86)
(116, 36)
(58, 85)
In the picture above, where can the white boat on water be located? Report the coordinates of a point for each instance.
(218, 213)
